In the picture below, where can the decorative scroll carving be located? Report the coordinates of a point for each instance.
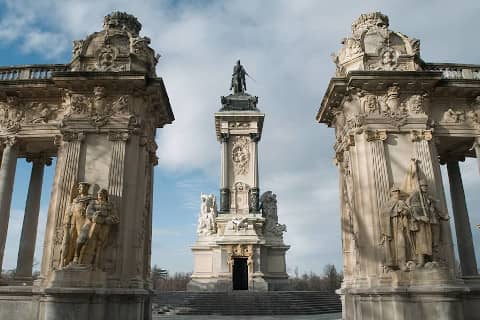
(12, 114)
(208, 212)
(241, 155)
(118, 47)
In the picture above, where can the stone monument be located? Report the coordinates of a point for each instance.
(240, 246)
(98, 116)
(396, 119)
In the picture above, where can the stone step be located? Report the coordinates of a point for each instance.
(247, 303)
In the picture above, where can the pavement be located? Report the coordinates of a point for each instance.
(329, 316)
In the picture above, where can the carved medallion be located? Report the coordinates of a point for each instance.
(241, 155)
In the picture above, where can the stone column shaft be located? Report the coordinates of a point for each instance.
(477, 152)
(7, 177)
(30, 221)
(466, 251)
(224, 189)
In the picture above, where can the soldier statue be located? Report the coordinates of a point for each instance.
(238, 85)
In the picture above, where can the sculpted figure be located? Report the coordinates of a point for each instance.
(426, 227)
(395, 231)
(238, 79)
(75, 234)
(208, 213)
(269, 211)
(101, 215)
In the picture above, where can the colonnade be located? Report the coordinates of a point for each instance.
(28, 236)
(466, 251)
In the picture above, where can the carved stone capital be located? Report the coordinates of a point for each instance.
(224, 137)
(39, 158)
(418, 135)
(73, 136)
(118, 136)
(255, 136)
(10, 141)
(374, 135)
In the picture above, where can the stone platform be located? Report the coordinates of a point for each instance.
(246, 303)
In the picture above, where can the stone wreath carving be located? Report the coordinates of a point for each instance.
(241, 155)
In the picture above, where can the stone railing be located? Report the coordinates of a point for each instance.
(30, 72)
(455, 71)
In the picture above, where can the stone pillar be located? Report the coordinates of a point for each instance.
(30, 220)
(70, 155)
(381, 183)
(224, 190)
(7, 177)
(254, 190)
(116, 177)
(466, 251)
(476, 146)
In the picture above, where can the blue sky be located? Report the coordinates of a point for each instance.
(286, 47)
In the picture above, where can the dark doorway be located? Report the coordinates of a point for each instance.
(240, 274)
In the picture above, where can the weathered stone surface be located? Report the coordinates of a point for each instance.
(394, 117)
(98, 115)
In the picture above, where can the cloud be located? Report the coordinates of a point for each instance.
(285, 46)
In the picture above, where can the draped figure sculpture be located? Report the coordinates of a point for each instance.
(395, 228)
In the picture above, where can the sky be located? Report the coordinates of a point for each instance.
(286, 47)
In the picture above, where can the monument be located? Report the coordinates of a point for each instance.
(98, 116)
(240, 246)
(397, 119)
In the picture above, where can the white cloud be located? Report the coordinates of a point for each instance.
(285, 46)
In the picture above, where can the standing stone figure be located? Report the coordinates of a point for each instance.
(101, 215)
(74, 236)
(238, 79)
(426, 217)
(269, 211)
(208, 213)
(395, 231)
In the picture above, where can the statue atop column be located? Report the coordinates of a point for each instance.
(238, 85)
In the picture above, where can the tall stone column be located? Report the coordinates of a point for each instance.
(476, 146)
(116, 176)
(381, 184)
(30, 220)
(466, 251)
(224, 190)
(254, 190)
(70, 155)
(7, 177)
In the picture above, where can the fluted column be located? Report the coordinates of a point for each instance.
(70, 149)
(381, 184)
(30, 220)
(116, 177)
(116, 173)
(254, 190)
(224, 190)
(7, 177)
(420, 141)
(466, 251)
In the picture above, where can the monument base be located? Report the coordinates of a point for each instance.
(454, 301)
(32, 303)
